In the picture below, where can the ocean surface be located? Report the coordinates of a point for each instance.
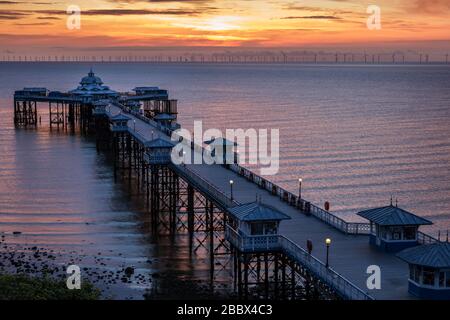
(355, 134)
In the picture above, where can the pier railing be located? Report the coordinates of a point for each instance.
(254, 243)
(424, 238)
(304, 206)
(204, 185)
(344, 287)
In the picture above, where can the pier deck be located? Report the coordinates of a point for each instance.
(350, 255)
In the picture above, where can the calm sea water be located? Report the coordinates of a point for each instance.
(355, 134)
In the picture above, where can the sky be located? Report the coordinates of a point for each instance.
(124, 25)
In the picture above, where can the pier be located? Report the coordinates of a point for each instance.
(137, 128)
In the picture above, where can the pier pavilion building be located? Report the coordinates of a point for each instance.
(91, 87)
(429, 270)
(393, 229)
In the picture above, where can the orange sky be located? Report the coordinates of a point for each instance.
(115, 25)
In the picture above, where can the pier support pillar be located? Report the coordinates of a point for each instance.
(190, 215)
(56, 114)
(25, 113)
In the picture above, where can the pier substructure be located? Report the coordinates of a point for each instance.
(25, 113)
(274, 275)
(56, 112)
(122, 151)
(102, 132)
(85, 117)
(176, 207)
(164, 194)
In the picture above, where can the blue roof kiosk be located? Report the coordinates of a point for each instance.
(119, 123)
(254, 227)
(393, 229)
(429, 270)
(158, 151)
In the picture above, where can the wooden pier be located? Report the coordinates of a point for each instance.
(195, 199)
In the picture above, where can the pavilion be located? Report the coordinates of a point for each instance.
(393, 229)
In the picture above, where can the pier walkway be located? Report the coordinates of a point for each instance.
(350, 252)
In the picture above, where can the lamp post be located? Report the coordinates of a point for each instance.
(328, 243)
(134, 125)
(231, 189)
(300, 188)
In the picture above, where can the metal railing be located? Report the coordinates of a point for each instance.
(424, 238)
(302, 205)
(252, 243)
(204, 185)
(344, 287)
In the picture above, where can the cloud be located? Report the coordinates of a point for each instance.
(48, 18)
(33, 24)
(313, 17)
(5, 17)
(160, 1)
(432, 6)
(123, 12)
(12, 15)
(20, 2)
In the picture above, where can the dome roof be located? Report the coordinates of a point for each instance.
(91, 78)
(93, 86)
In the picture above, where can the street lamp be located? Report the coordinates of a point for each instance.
(134, 125)
(231, 189)
(328, 243)
(300, 188)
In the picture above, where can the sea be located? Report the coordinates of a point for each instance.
(357, 135)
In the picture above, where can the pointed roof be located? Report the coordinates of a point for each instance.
(435, 255)
(159, 143)
(255, 211)
(120, 117)
(221, 141)
(393, 216)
